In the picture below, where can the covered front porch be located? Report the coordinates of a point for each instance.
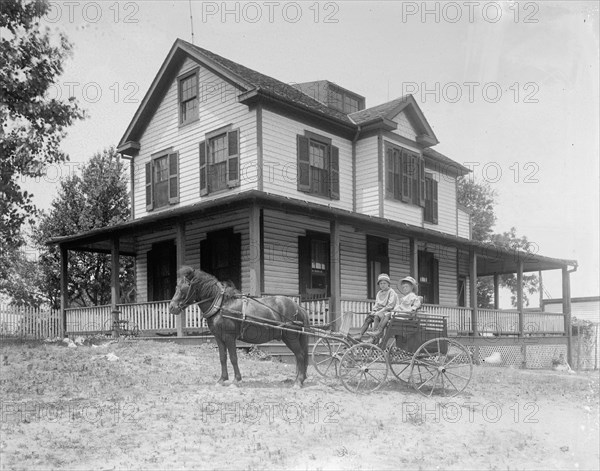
(269, 265)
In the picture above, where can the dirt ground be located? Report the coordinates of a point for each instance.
(157, 407)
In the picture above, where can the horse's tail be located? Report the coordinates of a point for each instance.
(304, 338)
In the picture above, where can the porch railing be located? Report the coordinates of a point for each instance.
(154, 316)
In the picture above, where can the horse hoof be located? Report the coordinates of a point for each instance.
(221, 382)
(234, 384)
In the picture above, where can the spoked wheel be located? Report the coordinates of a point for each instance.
(363, 368)
(442, 367)
(399, 362)
(327, 354)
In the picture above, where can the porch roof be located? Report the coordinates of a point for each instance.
(491, 259)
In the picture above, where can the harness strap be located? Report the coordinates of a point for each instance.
(216, 304)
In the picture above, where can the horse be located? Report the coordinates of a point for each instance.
(231, 316)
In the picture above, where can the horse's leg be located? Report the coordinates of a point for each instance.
(298, 344)
(223, 358)
(230, 342)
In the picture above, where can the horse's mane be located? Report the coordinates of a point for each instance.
(208, 285)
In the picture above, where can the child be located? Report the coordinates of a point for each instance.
(385, 302)
(409, 301)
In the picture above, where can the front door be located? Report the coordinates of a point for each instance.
(162, 268)
(220, 255)
(428, 277)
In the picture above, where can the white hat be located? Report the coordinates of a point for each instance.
(409, 279)
(384, 277)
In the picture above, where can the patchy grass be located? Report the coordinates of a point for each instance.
(157, 407)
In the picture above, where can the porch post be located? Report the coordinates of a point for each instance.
(335, 302)
(541, 290)
(254, 250)
(566, 307)
(64, 286)
(114, 281)
(473, 290)
(414, 258)
(496, 291)
(520, 295)
(180, 320)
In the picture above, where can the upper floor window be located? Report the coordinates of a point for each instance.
(188, 98)
(405, 180)
(318, 166)
(219, 160)
(430, 212)
(162, 175)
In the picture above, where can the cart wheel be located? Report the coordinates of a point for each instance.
(399, 362)
(327, 354)
(441, 366)
(363, 368)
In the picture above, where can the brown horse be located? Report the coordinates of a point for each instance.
(231, 316)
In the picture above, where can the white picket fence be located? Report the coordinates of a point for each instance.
(29, 323)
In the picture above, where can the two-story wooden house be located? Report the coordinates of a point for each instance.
(298, 190)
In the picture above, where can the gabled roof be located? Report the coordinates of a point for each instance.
(386, 112)
(245, 79)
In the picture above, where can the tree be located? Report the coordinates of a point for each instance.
(531, 283)
(480, 199)
(97, 198)
(32, 124)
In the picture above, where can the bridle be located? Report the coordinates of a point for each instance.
(215, 306)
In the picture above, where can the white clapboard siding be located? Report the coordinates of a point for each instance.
(463, 220)
(399, 255)
(353, 264)
(405, 127)
(280, 160)
(281, 232)
(218, 107)
(446, 257)
(367, 177)
(446, 203)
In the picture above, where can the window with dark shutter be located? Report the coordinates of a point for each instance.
(149, 199)
(318, 166)
(203, 169)
(430, 212)
(162, 180)
(173, 178)
(220, 161)
(405, 175)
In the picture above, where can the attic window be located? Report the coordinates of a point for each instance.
(342, 100)
(188, 98)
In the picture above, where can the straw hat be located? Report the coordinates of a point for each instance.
(409, 279)
(384, 277)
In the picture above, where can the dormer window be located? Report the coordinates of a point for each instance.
(188, 98)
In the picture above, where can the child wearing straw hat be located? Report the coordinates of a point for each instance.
(385, 302)
(408, 301)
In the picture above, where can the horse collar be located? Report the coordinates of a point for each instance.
(216, 304)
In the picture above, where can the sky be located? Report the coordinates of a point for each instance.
(511, 89)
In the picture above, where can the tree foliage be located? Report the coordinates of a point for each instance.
(96, 198)
(480, 199)
(31, 123)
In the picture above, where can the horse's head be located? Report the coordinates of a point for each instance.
(185, 294)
